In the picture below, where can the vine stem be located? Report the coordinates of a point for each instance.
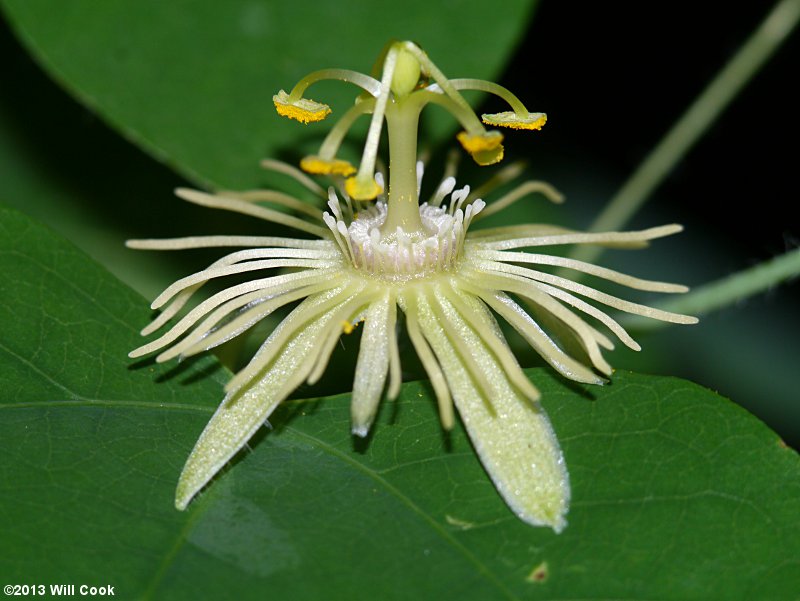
(729, 290)
(691, 126)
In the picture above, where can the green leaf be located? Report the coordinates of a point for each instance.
(677, 493)
(192, 82)
(68, 326)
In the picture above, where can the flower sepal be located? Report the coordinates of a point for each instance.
(497, 403)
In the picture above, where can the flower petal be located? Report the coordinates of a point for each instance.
(431, 365)
(322, 306)
(533, 333)
(373, 362)
(244, 410)
(512, 436)
(475, 314)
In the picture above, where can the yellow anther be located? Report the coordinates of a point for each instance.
(473, 143)
(302, 109)
(362, 188)
(348, 327)
(488, 157)
(317, 166)
(515, 121)
(485, 148)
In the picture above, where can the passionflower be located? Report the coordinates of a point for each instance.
(377, 252)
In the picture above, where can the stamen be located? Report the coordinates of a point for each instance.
(533, 121)
(301, 109)
(486, 148)
(517, 118)
(319, 166)
(330, 146)
(463, 113)
(359, 188)
(442, 81)
(365, 82)
(363, 185)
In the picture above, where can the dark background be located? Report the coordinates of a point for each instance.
(613, 78)
(618, 76)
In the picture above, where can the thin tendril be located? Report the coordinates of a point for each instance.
(711, 103)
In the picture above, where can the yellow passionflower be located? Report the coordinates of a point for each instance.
(367, 261)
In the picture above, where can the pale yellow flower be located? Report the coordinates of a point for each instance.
(375, 251)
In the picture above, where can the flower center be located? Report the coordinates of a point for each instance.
(400, 255)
